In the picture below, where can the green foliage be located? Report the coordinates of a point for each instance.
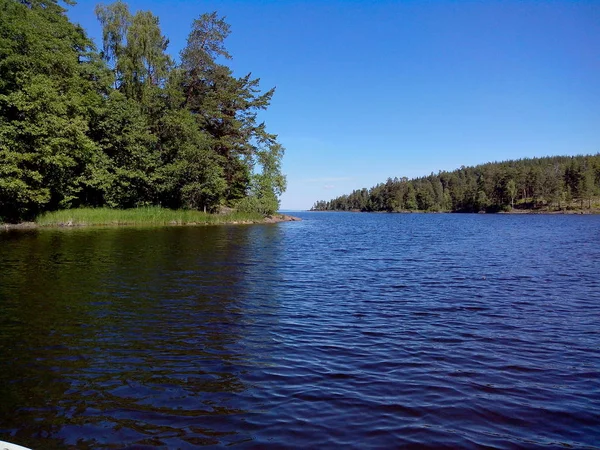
(226, 108)
(511, 191)
(263, 206)
(550, 183)
(48, 90)
(126, 127)
(124, 175)
(191, 175)
(115, 20)
(144, 216)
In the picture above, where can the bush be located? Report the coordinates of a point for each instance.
(265, 205)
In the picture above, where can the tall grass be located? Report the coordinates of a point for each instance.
(144, 216)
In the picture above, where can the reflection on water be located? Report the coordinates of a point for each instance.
(133, 336)
(344, 330)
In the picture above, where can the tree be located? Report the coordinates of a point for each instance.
(269, 184)
(126, 127)
(587, 187)
(49, 80)
(190, 175)
(534, 183)
(145, 63)
(425, 196)
(511, 190)
(481, 201)
(226, 109)
(551, 184)
(491, 186)
(115, 20)
(410, 198)
(135, 48)
(125, 175)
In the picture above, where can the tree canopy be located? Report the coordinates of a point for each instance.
(125, 126)
(552, 183)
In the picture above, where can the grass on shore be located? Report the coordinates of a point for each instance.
(149, 216)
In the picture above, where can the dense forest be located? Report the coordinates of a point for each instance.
(124, 125)
(550, 183)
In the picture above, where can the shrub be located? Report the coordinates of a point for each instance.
(266, 205)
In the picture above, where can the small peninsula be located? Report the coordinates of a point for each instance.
(102, 133)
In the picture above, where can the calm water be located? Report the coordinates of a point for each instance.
(344, 330)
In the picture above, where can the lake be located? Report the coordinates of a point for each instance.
(343, 330)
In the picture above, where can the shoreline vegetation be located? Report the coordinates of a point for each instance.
(125, 125)
(152, 216)
(549, 185)
(510, 212)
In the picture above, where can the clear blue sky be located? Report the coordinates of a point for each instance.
(368, 90)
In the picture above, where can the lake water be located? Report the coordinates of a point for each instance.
(341, 331)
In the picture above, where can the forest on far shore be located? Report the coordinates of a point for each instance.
(552, 183)
(125, 125)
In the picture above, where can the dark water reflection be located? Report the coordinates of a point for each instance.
(375, 331)
(134, 336)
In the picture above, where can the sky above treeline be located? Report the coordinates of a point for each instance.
(368, 90)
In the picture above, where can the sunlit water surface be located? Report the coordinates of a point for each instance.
(340, 331)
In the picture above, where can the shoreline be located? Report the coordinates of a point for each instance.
(577, 212)
(277, 218)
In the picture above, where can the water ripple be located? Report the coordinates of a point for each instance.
(344, 330)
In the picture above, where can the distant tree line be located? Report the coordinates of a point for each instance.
(557, 182)
(126, 126)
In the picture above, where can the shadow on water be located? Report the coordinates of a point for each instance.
(134, 336)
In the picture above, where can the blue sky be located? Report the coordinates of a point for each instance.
(368, 90)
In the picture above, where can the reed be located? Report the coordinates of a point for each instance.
(143, 216)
